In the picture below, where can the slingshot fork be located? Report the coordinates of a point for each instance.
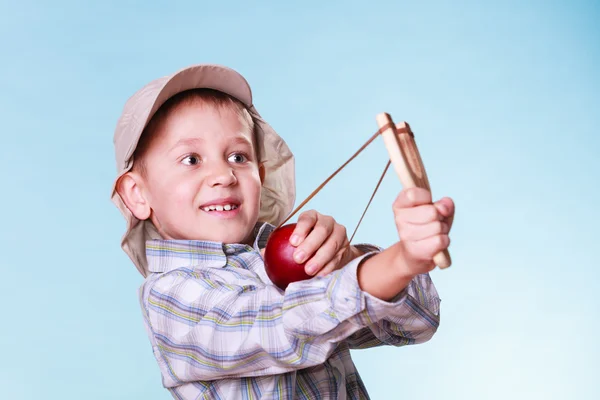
(406, 159)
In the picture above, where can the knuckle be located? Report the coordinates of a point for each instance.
(441, 241)
(439, 227)
(405, 234)
(427, 195)
(320, 229)
(309, 214)
(303, 222)
(303, 249)
(407, 197)
(335, 246)
(330, 220)
(329, 249)
(339, 230)
(445, 227)
(301, 225)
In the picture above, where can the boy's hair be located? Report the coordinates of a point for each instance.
(207, 97)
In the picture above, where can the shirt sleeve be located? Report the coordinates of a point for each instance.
(412, 317)
(216, 323)
(414, 320)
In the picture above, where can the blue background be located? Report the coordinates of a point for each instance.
(504, 99)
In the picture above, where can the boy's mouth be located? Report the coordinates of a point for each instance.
(221, 205)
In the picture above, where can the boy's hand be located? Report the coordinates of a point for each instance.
(423, 227)
(322, 243)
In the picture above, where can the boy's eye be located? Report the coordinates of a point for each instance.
(191, 160)
(237, 158)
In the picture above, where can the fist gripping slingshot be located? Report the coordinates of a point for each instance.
(404, 156)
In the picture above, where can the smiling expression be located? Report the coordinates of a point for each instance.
(202, 179)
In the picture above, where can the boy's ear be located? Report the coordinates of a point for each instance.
(130, 188)
(261, 172)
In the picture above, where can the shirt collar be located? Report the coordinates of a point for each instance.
(164, 255)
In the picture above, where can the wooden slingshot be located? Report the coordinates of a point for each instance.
(404, 156)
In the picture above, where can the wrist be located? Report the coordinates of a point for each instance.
(386, 274)
(404, 265)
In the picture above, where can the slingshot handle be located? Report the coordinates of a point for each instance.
(407, 163)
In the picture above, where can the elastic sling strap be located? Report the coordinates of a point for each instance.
(368, 142)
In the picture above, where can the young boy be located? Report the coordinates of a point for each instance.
(202, 182)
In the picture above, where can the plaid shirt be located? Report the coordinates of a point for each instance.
(220, 329)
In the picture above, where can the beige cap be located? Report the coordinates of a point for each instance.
(278, 191)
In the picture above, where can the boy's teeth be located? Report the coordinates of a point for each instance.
(226, 207)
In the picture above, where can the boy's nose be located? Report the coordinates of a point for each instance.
(222, 175)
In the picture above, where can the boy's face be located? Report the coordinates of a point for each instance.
(202, 177)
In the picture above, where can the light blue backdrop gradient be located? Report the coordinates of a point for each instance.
(504, 98)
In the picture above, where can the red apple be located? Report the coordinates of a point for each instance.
(279, 262)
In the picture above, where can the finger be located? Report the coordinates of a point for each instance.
(344, 255)
(329, 251)
(426, 249)
(319, 234)
(323, 250)
(331, 265)
(445, 206)
(411, 197)
(418, 214)
(306, 221)
(416, 232)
